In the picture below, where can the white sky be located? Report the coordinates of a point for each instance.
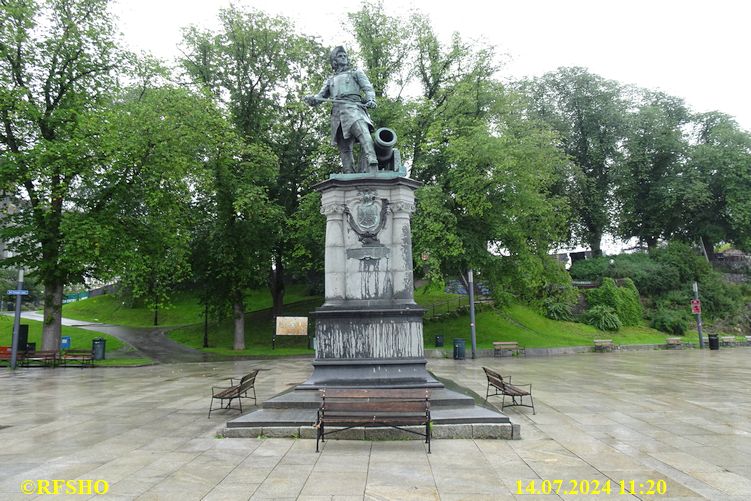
(697, 50)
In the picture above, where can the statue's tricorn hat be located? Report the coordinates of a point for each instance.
(334, 52)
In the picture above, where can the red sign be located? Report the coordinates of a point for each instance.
(695, 306)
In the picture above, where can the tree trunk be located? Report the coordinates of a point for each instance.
(239, 317)
(651, 244)
(595, 243)
(708, 248)
(53, 314)
(277, 285)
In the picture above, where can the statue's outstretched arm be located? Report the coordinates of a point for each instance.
(318, 98)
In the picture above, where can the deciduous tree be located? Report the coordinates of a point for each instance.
(589, 114)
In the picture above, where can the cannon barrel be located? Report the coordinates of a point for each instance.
(384, 142)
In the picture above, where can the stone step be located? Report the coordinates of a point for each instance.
(310, 399)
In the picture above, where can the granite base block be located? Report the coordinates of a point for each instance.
(249, 432)
(387, 433)
(281, 431)
(495, 431)
(344, 434)
(492, 431)
(308, 432)
(448, 431)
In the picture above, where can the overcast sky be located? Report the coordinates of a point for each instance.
(697, 50)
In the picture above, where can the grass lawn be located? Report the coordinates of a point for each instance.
(517, 323)
(259, 328)
(530, 329)
(80, 340)
(183, 310)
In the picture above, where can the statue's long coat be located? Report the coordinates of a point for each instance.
(346, 86)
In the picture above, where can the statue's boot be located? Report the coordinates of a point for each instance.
(348, 160)
(362, 134)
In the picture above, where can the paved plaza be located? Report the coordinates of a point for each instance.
(681, 416)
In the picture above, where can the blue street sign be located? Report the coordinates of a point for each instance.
(18, 292)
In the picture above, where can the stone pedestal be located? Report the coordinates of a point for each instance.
(369, 329)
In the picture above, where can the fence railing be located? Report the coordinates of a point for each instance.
(437, 309)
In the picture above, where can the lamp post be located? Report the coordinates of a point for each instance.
(472, 313)
(698, 316)
(16, 322)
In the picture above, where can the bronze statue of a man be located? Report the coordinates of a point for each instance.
(349, 116)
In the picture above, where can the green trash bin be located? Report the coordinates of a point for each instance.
(97, 348)
(459, 348)
(438, 341)
(714, 342)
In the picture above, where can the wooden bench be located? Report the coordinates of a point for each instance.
(506, 389)
(43, 358)
(728, 340)
(82, 357)
(234, 391)
(499, 347)
(603, 344)
(674, 342)
(5, 355)
(395, 408)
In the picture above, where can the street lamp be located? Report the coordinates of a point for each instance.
(17, 320)
(470, 279)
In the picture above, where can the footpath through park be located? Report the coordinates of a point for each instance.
(673, 418)
(152, 342)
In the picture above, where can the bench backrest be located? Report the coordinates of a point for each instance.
(494, 378)
(248, 381)
(375, 400)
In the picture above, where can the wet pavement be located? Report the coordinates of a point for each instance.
(677, 419)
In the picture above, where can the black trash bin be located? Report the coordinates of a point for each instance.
(714, 342)
(438, 341)
(459, 348)
(97, 348)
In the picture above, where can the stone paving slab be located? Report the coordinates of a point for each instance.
(678, 416)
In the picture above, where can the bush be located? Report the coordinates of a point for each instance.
(670, 321)
(557, 310)
(624, 301)
(602, 317)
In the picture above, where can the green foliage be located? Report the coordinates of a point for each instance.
(559, 295)
(259, 67)
(651, 172)
(602, 317)
(630, 309)
(670, 321)
(182, 308)
(666, 275)
(650, 275)
(624, 301)
(533, 330)
(557, 310)
(589, 114)
(717, 180)
(80, 338)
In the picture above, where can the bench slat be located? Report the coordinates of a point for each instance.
(352, 407)
(382, 406)
(405, 393)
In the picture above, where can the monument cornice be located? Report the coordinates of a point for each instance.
(355, 180)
